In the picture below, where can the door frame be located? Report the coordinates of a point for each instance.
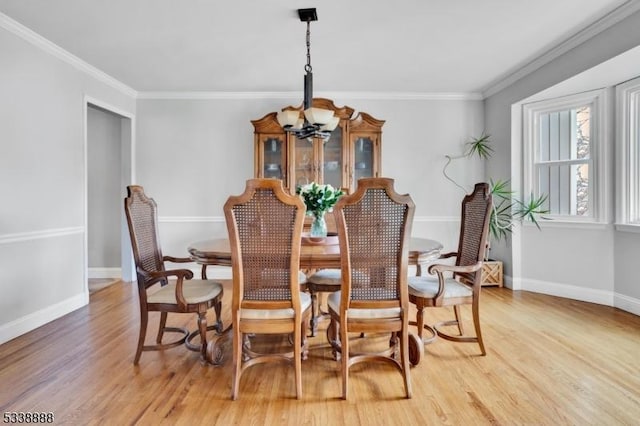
(127, 177)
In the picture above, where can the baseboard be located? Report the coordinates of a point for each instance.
(36, 319)
(601, 297)
(626, 303)
(104, 273)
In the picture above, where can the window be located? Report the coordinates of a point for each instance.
(628, 135)
(563, 152)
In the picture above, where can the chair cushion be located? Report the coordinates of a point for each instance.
(427, 287)
(334, 304)
(305, 303)
(302, 277)
(195, 291)
(327, 277)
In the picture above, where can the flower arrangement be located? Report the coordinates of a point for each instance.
(318, 198)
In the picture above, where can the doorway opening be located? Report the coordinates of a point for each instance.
(109, 141)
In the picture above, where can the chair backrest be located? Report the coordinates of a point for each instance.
(474, 227)
(374, 227)
(265, 227)
(142, 218)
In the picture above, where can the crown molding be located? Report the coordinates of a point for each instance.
(53, 49)
(384, 96)
(607, 21)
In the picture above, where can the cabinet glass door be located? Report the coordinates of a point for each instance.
(332, 162)
(273, 151)
(363, 158)
(305, 162)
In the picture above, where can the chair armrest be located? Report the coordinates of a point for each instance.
(447, 255)
(440, 268)
(180, 274)
(177, 259)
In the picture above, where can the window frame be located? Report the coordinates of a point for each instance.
(597, 198)
(628, 155)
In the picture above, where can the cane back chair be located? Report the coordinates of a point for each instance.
(457, 284)
(374, 227)
(265, 227)
(162, 290)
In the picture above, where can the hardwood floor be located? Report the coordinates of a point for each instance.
(550, 361)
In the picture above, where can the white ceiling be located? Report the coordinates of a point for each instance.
(421, 46)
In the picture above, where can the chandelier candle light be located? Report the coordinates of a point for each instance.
(319, 199)
(317, 122)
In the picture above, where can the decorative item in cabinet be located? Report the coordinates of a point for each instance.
(365, 140)
(352, 151)
(270, 151)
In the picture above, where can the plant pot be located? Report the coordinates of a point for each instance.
(492, 273)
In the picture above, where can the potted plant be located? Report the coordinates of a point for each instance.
(507, 209)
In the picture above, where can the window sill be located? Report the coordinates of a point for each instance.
(570, 224)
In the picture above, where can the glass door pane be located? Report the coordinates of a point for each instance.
(332, 159)
(363, 158)
(273, 149)
(304, 163)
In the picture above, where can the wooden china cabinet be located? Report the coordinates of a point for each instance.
(352, 152)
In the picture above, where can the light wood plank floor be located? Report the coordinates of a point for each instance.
(550, 361)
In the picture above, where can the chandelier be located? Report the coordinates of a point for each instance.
(317, 122)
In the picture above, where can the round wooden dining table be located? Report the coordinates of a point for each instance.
(312, 256)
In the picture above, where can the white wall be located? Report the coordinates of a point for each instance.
(194, 153)
(581, 263)
(42, 177)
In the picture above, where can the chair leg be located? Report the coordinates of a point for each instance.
(202, 326)
(404, 355)
(420, 320)
(144, 319)
(163, 324)
(304, 340)
(297, 358)
(344, 345)
(476, 323)
(237, 360)
(456, 310)
(218, 310)
(315, 309)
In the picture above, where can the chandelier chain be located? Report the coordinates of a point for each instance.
(307, 67)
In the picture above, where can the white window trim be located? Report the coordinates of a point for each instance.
(628, 156)
(598, 100)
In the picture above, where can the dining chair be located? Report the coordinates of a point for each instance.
(457, 284)
(265, 227)
(166, 290)
(374, 226)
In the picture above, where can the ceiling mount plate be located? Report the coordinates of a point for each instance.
(308, 14)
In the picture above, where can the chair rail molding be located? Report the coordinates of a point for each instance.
(37, 235)
(220, 219)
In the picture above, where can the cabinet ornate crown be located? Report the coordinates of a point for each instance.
(352, 152)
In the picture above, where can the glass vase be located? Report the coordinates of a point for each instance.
(319, 225)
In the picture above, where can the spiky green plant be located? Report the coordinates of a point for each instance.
(506, 207)
(480, 147)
